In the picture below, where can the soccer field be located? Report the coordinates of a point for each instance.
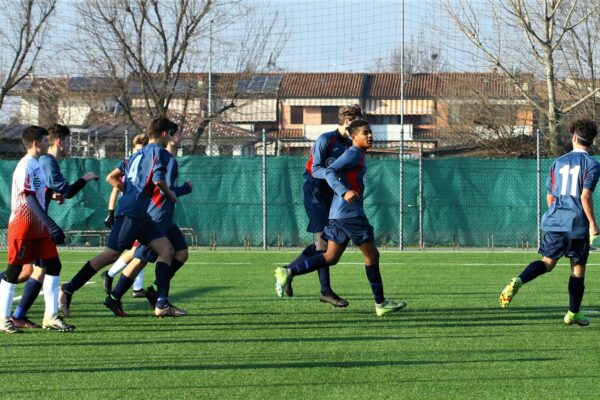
(242, 342)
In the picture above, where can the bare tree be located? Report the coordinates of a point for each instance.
(527, 36)
(22, 35)
(148, 46)
(418, 58)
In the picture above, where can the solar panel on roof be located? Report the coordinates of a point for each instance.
(256, 86)
(272, 83)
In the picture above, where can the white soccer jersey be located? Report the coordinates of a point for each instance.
(28, 179)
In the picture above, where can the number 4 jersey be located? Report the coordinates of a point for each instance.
(568, 176)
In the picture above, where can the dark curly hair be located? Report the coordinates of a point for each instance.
(585, 130)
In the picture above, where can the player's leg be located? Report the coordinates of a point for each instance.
(113, 300)
(31, 291)
(164, 250)
(553, 247)
(7, 294)
(118, 266)
(52, 267)
(138, 286)
(122, 236)
(578, 254)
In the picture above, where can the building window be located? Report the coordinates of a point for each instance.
(329, 115)
(297, 115)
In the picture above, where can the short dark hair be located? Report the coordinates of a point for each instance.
(354, 125)
(159, 125)
(33, 133)
(585, 130)
(57, 131)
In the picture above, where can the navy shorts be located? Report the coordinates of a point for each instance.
(127, 230)
(343, 230)
(558, 244)
(145, 253)
(317, 202)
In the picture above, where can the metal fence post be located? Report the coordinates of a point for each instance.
(538, 186)
(421, 235)
(264, 189)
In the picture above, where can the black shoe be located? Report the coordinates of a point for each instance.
(138, 294)
(115, 306)
(106, 282)
(333, 299)
(64, 301)
(151, 296)
(288, 289)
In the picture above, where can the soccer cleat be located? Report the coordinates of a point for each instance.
(281, 280)
(138, 294)
(64, 301)
(24, 323)
(8, 327)
(333, 299)
(168, 311)
(151, 296)
(288, 289)
(107, 282)
(180, 311)
(510, 291)
(115, 306)
(57, 324)
(576, 318)
(389, 306)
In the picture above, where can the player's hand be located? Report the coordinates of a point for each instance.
(594, 232)
(57, 234)
(90, 176)
(350, 196)
(189, 183)
(110, 219)
(58, 198)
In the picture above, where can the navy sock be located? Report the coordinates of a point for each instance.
(532, 271)
(175, 265)
(308, 252)
(30, 293)
(576, 289)
(311, 264)
(163, 280)
(122, 286)
(374, 277)
(324, 277)
(81, 278)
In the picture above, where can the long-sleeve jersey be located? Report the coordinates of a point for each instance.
(327, 148)
(142, 169)
(347, 173)
(568, 176)
(161, 209)
(56, 182)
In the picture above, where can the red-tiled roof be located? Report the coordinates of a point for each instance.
(287, 134)
(321, 84)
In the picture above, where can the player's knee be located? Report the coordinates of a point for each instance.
(182, 255)
(332, 259)
(52, 266)
(12, 273)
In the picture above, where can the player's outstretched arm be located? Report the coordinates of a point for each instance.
(114, 179)
(184, 189)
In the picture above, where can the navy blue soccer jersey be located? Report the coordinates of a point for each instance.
(568, 176)
(55, 181)
(347, 173)
(143, 168)
(327, 148)
(161, 209)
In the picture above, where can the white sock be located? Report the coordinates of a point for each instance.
(117, 267)
(138, 283)
(51, 296)
(7, 294)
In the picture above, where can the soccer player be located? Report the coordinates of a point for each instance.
(145, 170)
(139, 141)
(161, 211)
(58, 138)
(32, 234)
(568, 222)
(318, 196)
(347, 221)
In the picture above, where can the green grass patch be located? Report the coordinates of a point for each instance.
(242, 342)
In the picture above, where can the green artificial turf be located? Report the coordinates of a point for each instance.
(242, 342)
